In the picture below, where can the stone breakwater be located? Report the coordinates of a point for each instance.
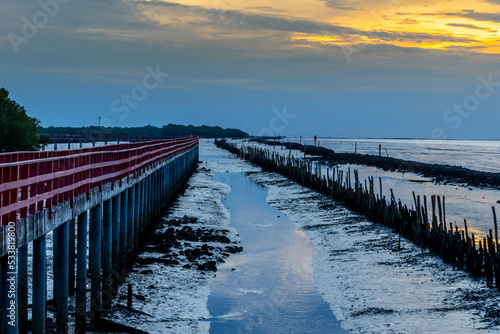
(438, 172)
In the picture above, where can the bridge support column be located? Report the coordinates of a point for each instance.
(71, 270)
(142, 208)
(149, 200)
(22, 286)
(62, 278)
(131, 226)
(81, 275)
(123, 231)
(39, 309)
(107, 230)
(157, 195)
(115, 247)
(95, 251)
(55, 243)
(9, 295)
(137, 216)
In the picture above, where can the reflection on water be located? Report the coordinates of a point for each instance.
(269, 287)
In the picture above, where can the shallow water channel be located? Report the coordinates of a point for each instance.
(269, 287)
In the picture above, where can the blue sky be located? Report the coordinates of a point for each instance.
(350, 69)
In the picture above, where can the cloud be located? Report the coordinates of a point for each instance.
(469, 26)
(340, 4)
(467, 13)
(267, 9)
(478, 16)
(408, 21)
(251, 21)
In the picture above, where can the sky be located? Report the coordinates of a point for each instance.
(365, 68)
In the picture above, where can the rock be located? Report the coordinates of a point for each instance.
(146, 272)
(234, 249)
(139, 297)
(143, 261)
(208, 266)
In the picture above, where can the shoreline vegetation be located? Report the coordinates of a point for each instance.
(438, 172)
(170, 130)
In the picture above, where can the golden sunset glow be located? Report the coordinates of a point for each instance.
(447, 25)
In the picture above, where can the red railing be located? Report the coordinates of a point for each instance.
(34, 181)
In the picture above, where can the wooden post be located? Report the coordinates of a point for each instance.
(380, 182)
(496, 227)
(379, 150)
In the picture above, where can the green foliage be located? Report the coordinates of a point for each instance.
(170, 130)
(44, 140)
(18, 131)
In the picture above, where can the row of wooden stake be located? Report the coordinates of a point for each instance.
(478, 256)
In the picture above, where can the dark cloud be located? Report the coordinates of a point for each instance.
(267, 9)
(245, 20)
(340, 4)
(469, 26)
(408, 21)
(467, 13)
(478, 16)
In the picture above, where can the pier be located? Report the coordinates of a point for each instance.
(104, 197)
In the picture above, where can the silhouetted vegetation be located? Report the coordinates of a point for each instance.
(18, 131)
(170, 130)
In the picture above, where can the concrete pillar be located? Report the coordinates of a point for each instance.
(107, 239)
(95, 289)
(81, 275)
(142, 205)
(71, 266)
(62, 278)
(123, 229)
(131, 216)
(54, 265)
(137, 215)
(115, 246)
(149, 186)
(22, 283)
(9, 294)
(157, 195)
(39, 292)
(148, 200)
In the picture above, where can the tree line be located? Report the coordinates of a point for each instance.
(170, 130)
(20, 132)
